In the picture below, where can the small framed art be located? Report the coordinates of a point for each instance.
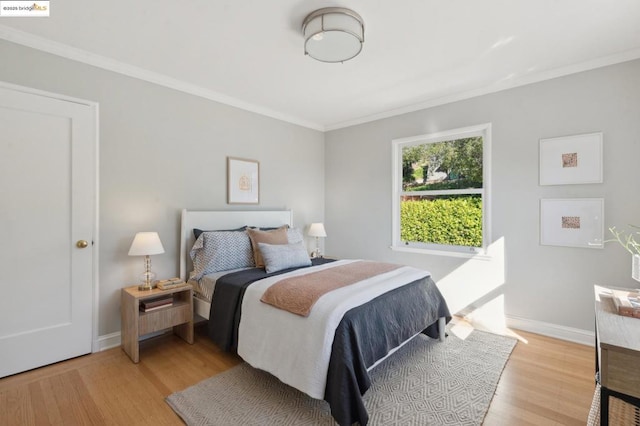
(575, 222)
(243, 181)
(571, 159)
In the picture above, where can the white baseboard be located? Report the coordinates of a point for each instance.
(113, 340)
(108, 341)
(576, 335)
(570, 334)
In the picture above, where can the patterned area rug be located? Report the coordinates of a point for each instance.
(425, 383)
(594, 412)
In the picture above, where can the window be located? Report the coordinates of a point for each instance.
(440, 197)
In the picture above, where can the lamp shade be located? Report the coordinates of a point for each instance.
(317, 230)
(146, 243)
(333, 34)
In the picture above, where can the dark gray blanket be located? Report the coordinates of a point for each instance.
(365, 334)
(368, 332)
(226, 303)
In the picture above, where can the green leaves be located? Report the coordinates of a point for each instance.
(456, 159)
(626, 240)
(450, 221)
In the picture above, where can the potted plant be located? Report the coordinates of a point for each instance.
(627, 239)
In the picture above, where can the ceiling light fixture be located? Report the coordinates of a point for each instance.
(333, 34)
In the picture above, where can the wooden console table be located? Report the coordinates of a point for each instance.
(617, 353)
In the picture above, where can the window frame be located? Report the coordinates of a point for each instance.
(483, 130)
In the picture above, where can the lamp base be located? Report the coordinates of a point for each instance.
(148, 277)
(316, 254)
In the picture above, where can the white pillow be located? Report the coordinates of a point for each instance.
(282, 256)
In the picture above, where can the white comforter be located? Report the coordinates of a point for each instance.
(296, 349)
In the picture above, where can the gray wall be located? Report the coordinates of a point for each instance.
(536, 283)
(161, 151)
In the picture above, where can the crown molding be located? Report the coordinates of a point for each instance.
(505, 84)
(26, 39)
(69, 52)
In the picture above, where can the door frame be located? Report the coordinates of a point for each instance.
(94, 106)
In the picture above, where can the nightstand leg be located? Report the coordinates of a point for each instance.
(185, 331)
(129, 314)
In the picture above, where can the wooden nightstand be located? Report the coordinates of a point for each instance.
(136, 323)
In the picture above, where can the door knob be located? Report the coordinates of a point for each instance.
(82, 244)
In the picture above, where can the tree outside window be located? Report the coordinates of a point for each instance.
(440, 191)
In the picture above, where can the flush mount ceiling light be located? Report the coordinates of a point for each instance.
(333, 34)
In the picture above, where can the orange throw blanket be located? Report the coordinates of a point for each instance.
(298, 294)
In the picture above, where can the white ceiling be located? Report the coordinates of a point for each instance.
(417, 53)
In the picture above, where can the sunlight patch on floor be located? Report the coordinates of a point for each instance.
(461, 329)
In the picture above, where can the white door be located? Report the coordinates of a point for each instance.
(47, 208)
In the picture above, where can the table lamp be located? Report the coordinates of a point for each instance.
(146, 244)
(317, 230)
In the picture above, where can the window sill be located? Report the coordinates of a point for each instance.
(475, 256)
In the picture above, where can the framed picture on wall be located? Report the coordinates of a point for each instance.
(575, 222)
(243, 181)
(571, 159)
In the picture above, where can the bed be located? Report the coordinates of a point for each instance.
(348, 331)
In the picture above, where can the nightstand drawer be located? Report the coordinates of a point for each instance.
(164, 318)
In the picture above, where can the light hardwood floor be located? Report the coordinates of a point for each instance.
(545, 382)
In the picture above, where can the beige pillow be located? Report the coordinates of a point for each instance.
(274, 236)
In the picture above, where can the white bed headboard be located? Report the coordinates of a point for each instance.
(221, 220)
